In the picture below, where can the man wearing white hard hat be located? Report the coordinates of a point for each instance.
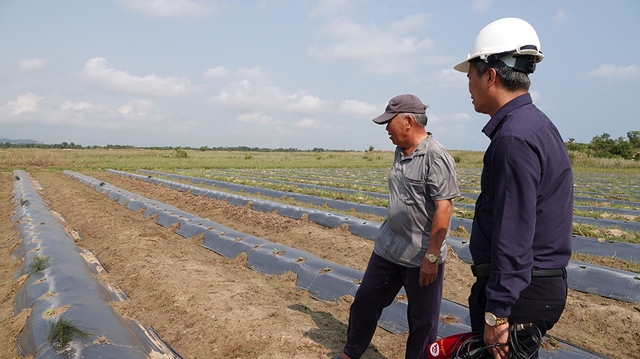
(521, 237)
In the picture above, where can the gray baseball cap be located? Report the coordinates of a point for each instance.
(401, 104)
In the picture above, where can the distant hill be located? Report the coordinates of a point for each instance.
(18, 142)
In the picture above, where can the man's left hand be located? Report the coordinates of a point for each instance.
(497, 335)
(428, 272)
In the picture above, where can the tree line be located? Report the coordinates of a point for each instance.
(600, 146)
(71, 145)
(607, 147)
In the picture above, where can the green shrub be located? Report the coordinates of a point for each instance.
(63, 330)
(38, 263)
(178, 152)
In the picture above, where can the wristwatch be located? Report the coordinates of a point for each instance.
(494, 321)
(431, 257)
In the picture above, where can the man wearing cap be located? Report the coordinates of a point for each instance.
(521, 236)
(410, 249)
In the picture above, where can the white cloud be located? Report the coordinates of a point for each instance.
(45, 111)
(360, 108)
(307, 122)
(216, 73)
(99, 73)
(75, 106)
(388, 49)
(33, 64)
(612, 72)
(255, 74)
(329, 7)
(455, 126)
(169, 8)
(481, 5)
(255, 118)
(26, 103)
(243, 95)
(450, 78)
(536, 96)
(561, 16)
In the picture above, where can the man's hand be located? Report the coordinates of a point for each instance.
(428, 272)
(497, 335)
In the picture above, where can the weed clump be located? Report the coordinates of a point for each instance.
(62, 331)
(39, 263)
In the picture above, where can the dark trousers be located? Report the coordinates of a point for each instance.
(381, 282)
(541, 304)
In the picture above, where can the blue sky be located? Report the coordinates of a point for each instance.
(296, 74)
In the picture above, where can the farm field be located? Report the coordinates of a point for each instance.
(207, 306)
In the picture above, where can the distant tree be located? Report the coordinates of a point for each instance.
(634, 138)
(180, 153)
(370, 148)
(622, 148)
(602, 143)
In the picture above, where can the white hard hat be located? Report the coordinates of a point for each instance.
(505, 39)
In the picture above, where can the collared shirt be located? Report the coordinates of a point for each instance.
(426, 175)
(523, 216)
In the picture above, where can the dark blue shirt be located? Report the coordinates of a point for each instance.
(523, 216)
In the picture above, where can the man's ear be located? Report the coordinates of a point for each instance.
(409, 120)
(492, 76)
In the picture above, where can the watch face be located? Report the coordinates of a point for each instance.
(432, 258)
(490, 319)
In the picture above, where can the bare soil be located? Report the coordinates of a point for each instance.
(207, 306)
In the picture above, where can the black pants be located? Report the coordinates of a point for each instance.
(381, 282)
(541, 304)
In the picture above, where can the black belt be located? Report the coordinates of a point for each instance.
(484, 270)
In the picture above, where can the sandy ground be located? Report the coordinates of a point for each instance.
(207, 306)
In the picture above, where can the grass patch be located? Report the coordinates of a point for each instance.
(610, 234)
(610, 262)
(38, 263)
(606, 215)
(62, 331)
(604, 205)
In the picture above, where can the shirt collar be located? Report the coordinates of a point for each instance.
(421, 149)
(494, 123)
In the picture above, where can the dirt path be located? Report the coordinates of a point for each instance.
(207, 306)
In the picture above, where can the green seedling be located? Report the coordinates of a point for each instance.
(17, 178)
(101, 184)
(62, 331)
(39, 263)
(300, 259)
(49, 311)
(24, 202)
